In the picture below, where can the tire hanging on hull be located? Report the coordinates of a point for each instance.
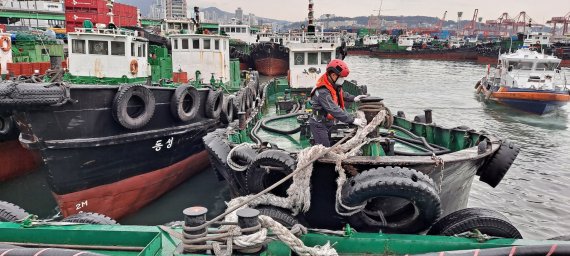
(129, 97)
(185, 103)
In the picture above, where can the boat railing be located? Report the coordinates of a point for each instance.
(106, 31)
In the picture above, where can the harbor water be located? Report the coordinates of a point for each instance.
(533, 194)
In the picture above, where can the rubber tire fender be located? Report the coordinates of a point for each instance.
(178, 105)
(90, 218)
(283, 216)
(10, 212)
(258, 178)
(218, 151)
(487, 221)
(227, 115)
(214, 104)
(6, 125)
(121, 102)
(394, 182)
(495, 169)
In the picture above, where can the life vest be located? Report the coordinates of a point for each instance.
(337, 97)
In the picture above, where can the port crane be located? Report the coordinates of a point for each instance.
(564, 21)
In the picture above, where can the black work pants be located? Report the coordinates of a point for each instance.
(321, 132)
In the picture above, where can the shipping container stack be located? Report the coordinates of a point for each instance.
(97, 11)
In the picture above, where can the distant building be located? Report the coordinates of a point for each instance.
(157, 10)
(252, 20)
(327, 16)
(176, 9)
(239, 14)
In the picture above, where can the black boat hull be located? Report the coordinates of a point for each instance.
(96, 165)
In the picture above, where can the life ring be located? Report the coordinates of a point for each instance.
(137, 119)
(494, 170)
(487, 221)
(214, 104)
(10, 212)
(259, 177)
(408, 200)
(90, 218)
(134, 67)
(185, 103)
(5, 43)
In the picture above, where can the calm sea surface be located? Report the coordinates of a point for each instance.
(534, 194)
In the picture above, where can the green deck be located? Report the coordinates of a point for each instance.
(453, 139)
(150, 240)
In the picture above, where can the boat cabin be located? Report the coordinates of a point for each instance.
(529, 69)
(243, 33)
(406, 42)
(108, 54)
(5, 52)
(537, 38)
(183, 26)
(208, 54)
(308, 62)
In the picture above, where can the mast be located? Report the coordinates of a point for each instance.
(311, 25)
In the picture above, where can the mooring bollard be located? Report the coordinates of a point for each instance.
(194, 217)
(248, 221)
(242, 120)
(427, 113)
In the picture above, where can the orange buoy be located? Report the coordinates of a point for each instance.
(5, 43)
(134, 67)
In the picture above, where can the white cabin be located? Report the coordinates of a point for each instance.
(528, 69)
(242, 33)
(406, 41)
(535, 38)
(308, 62)
(183, 26)
(208, 54)
(107, 53)
(5, 52)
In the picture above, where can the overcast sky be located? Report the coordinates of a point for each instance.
(296, 10)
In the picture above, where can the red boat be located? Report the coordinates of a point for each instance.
(271, 59)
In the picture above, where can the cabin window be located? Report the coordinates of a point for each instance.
(325, 57)
(98, 47)
(546, 66)
(312, 58)
(140, 50)
(545, 38)
(144, 50)
(299, 58)
(185, 45)
(133, 50)
(233, 30)
(184, 26)
(118, 48)
(78, 46)
(521, 65)
(216, 44)
(243, 30)
(207, 44)
(196, 44)
(175, 43)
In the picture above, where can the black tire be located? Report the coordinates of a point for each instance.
(185, 103)
(218, 151)
(6, 125)
(22, 94)
(495, 169)
(239, 102)
(10, 212)
(487, 221)
(214, 104)
(259, 178)
(407, 199)
(129, 97)
(283, 216)
(227, 115)
(90, 218)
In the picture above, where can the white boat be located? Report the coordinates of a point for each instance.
(527, 80)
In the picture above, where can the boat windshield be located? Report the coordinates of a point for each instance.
(522, 65)
(546, 66)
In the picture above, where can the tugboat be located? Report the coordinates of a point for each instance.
(114, 136)
(270, 58)
(526, 80)
(15, 160)
(394, 175)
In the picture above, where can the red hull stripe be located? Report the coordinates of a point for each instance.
(124, 197)
(532, 96)
(272, 66)
(16, 160)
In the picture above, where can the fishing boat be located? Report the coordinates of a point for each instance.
(417, 47)
(15, 160)
(251, 232)
(526, 80)
(395, 175)
(124, 123)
